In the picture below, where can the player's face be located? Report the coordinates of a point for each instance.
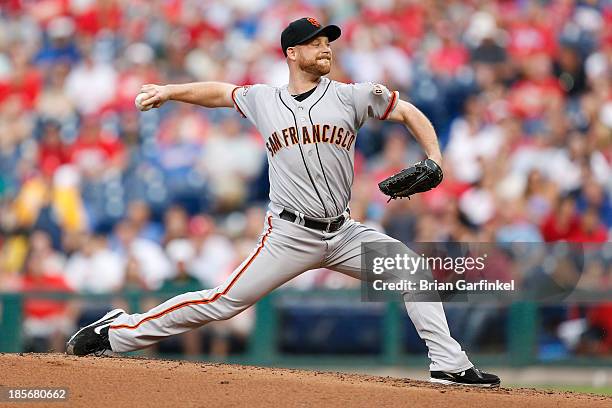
(315, 56)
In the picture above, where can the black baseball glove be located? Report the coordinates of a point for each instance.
(422, 176)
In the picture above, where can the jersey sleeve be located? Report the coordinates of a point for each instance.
(247, 100)
(372, 100)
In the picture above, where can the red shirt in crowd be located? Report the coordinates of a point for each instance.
(91, 153)
(553, 231)
(600, 234)
(529, 38)
(51, 156)
(27, 87)
(449, 189)
(448, 59)
(101, 15)
(528, 99)
(41, 10)
(601, 316)
(43, 308)
(407, 20)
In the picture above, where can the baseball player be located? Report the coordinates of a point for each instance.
(309, 127)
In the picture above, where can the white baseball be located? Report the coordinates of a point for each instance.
(139, 98)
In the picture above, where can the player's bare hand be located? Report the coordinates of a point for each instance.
(156, 95)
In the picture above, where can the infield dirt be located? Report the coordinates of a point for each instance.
(135, 382)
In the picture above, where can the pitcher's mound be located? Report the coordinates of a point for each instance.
(134, 382)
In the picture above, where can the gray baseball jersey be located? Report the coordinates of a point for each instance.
(311, 144)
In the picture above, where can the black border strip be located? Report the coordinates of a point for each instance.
(317, 147)
(302, 154)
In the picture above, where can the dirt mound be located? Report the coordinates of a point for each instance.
(135, 382)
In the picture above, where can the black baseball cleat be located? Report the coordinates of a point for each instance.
(93, 338)
(472, 377)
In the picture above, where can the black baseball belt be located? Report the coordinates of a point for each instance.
(329, 225)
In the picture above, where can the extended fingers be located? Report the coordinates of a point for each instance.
(151, 99)
(152, 95)
(148, 88)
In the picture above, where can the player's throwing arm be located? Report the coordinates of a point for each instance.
(207, 94)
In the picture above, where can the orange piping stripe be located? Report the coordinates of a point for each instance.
(391, 104)
(204, 301)
(235, 104)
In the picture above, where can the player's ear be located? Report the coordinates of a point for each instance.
(292, 53)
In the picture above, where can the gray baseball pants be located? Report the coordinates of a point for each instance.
(284, 251)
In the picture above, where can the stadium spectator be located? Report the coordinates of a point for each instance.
(232, 158)
(24, 83)
(53, 105)
(563, 222)
(52, 151)
(146, 263)
(58, 46)
(176, 224)
(214, 255)
(94, 268)
(96, 151)
(97, 77)
(47, 322)
(139, 215)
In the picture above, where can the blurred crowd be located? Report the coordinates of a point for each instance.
(97, 197)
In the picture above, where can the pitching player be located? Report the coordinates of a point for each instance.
(309, 127)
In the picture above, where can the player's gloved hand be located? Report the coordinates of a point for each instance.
(156, 95)
(422, 176)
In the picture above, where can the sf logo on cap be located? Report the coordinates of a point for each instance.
(313, 21)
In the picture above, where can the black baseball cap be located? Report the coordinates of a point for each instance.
(304, 29)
